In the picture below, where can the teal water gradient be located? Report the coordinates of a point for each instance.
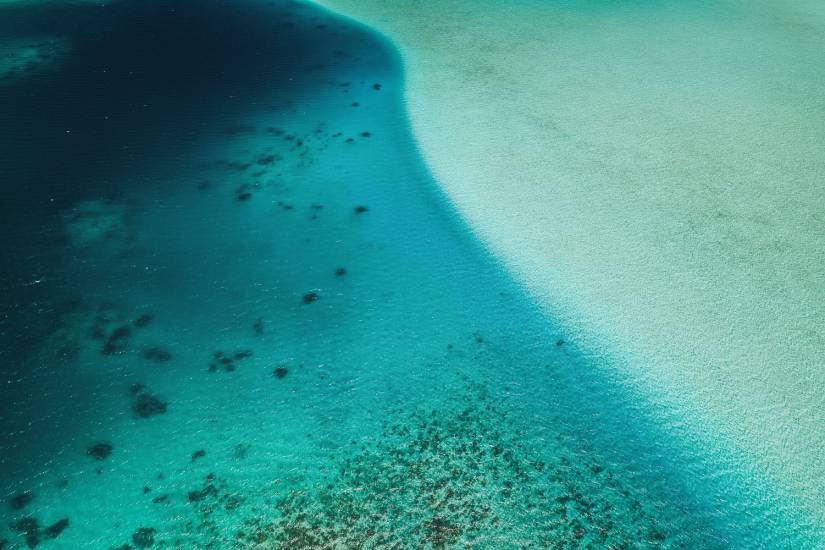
(267, 328)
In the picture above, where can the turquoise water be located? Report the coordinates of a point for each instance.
(238, 313)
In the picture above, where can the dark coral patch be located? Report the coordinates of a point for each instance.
(53, 531)
(147, 405)
(100, 451)
(441, 479)
(227, 363)
(243, 354)
(280, 372)
(29, 527)
(21, 500)
(268, 159)
(208, 490)
(143, 320)
(156, 354)
(144, 537)
(117, 341)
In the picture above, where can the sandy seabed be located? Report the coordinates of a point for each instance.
(652, 172)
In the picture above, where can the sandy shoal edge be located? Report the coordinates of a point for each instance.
(678, 235)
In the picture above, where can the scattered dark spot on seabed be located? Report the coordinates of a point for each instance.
(143, 320)
(100, 451)
(226, 362)
(147, 405)
(29, 528)
(144, 537)
(21, 500)
(156, 354)
(54, 530)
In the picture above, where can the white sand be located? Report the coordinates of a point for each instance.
(655, 173)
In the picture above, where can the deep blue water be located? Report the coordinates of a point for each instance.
(237, 312)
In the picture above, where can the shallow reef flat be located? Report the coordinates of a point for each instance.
(237, 312)
(651, 171)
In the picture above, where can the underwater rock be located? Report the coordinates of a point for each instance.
(340, 272)
(376, 86)
(144, 537)
(280, 372)
(21, 500)
(53, 531)
(266, 160)
(559, 343)
(29, 527)
(243, 193)
(100, 451)
(120, 333)
(310, 297)
(147, 405)
(209, 490)
(117, 341)
(365, 134)
(156, 354)
(227, 363)
(200, 453)
(361, 209)
(143, 320)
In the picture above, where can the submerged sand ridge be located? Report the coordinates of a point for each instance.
(653, 173)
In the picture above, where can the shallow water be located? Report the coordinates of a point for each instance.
(237, 312)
